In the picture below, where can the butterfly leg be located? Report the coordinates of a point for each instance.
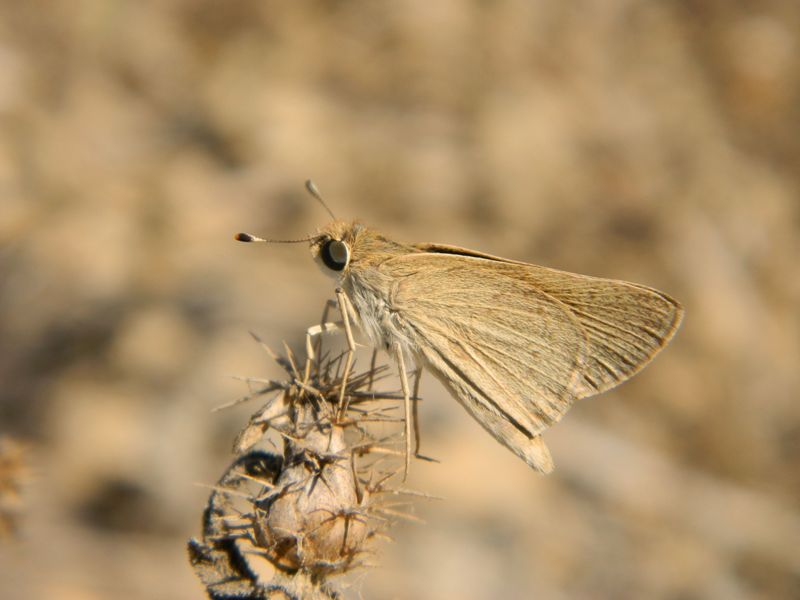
(401, 366)
(341, 298)
(313, 351)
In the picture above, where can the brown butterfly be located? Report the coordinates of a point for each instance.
(516, 344)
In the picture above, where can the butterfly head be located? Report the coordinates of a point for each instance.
(339, 245)
(332, 247)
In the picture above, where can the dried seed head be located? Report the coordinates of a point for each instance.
(310, 511)
(316, 519)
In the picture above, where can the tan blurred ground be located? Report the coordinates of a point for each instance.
(652, 141)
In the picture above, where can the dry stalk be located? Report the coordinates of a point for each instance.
(280, 524)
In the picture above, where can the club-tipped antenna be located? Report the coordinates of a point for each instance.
(312, 189)
(246, 237)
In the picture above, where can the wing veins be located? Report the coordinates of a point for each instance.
(511, 395)
(532, 340)
(472, 384)
(524, 364)
(597, 319)
(615, 344)
(549, 415)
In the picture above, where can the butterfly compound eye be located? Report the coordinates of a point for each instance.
(335, 255)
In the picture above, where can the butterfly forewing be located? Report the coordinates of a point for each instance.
(626, 323)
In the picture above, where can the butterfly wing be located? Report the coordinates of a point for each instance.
(626, 324)
(517, 344)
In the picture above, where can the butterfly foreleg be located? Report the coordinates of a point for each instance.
(316, 331)
(344, 309)
(325, 326)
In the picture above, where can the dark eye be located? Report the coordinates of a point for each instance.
(335, 255)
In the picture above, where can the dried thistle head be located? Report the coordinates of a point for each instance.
(313, 508)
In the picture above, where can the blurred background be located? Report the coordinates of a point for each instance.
(657, 142)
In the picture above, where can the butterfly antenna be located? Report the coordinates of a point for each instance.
(312, 189)
(246, 237)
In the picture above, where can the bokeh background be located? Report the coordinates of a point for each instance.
(657, 142)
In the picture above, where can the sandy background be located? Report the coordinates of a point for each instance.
(652, 141)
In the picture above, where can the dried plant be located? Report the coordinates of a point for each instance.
(280, 523)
